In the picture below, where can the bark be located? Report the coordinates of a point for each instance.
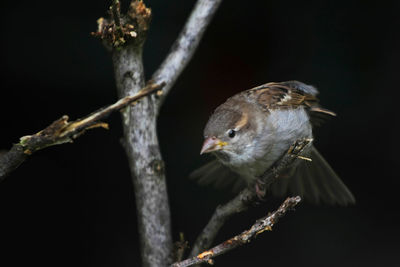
(146, 165)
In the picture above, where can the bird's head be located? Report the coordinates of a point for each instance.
(228, 131)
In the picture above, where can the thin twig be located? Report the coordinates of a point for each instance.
(102, 113)
(261, 225)
(116, 13)
(61, 131)
(180, 247)
(116, 16)
(246, 198)
(184, 47)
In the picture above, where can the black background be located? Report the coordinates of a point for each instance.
(73, 205)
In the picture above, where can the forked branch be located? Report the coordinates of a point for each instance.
(144, 156)
(62, 131)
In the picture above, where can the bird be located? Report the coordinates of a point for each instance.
(254, 128)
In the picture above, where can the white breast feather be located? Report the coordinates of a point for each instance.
(281, 129)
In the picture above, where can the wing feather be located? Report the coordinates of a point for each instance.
(288, 95)
(215, 173)
(315, 181)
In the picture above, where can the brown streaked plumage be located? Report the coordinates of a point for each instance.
(286, 95)
(252, 129)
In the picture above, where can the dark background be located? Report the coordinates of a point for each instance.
(73, 205)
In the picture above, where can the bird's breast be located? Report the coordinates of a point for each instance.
(280, 130)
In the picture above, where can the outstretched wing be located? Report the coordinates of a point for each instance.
(214, 173)
(315, 181)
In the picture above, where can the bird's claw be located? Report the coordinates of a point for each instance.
(298, 146)
(260, 189)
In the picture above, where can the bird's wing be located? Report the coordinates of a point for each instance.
(315, 181)
(215, 173)
(285, 95)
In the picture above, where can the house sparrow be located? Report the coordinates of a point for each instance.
(253, 129)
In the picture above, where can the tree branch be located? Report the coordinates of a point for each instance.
(261, 225)
(183, 49)
(247, 197)
(62, 131)
(141, 146)
(140, 135)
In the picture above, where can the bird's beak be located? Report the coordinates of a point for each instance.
(212, 144)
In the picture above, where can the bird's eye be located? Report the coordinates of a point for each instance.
(231, 133)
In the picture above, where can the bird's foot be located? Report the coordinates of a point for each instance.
(298, 147)
(260, 189)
